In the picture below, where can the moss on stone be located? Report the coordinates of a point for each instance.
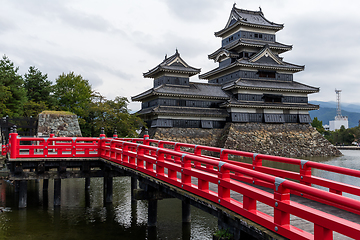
(57, 113)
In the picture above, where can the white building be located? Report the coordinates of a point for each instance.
(338, 122)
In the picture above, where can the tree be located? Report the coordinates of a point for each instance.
(318, 125)
(73, 93)
(38, 87)
(12, 91)
(114, 114)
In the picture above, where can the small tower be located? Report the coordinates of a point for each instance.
(338, 108)
(340, 120)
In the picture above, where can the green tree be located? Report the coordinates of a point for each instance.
(114, 114)
(73, 93)
(12, 91)
(37, 86)
(318, 125)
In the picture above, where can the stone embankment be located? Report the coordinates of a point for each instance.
(288, 140)
(63, 124)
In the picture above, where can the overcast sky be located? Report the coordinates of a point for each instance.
(112, 43)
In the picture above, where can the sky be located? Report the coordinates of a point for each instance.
(112, 43)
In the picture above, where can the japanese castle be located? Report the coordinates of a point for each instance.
(252, 83)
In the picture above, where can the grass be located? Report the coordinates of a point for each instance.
(57, 112)
(223, 234)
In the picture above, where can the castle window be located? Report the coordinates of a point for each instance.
(260, 35)
(272, 98)
(256, 35)
(266, 74)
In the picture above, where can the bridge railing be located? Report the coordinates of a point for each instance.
(303, 175)
(212, 179)
(217, 178)
(52, 147)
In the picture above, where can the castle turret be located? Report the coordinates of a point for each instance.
(259, 80)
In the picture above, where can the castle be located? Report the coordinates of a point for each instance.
(252, 83)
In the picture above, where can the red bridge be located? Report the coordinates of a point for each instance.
(274, 203)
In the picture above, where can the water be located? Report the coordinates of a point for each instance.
(83, 215)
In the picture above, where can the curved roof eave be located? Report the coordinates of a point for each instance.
(311, 107)
(151, 73)
(223, 31)
(272, 89)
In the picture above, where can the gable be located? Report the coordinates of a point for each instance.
(178, 62)
(265, 59)
(266, 56)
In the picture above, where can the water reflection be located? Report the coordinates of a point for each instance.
(82, 214)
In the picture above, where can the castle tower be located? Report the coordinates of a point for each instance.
(259, 80)
(174, 101)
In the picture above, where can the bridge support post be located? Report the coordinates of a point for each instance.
(133, 187)
(152, 213)
(17, 186)
(57, 192)
(186, 213)
(87, 184)
(45, 185)
(22, 194)
(108, 189)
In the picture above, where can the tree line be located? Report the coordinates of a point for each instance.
(341, 136)
(29, 95)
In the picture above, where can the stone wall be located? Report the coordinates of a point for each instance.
(288, 140)
(64, 125)
(199, 136)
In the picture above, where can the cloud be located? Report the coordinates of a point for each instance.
(193, 11)
(61, 12)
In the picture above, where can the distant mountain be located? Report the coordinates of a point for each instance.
(327, 112)
(350, 107)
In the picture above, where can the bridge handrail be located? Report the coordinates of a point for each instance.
(138, 153)
(304, 175)
(280, 200)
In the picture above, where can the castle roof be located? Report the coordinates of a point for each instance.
(241, 17)
(173, 64)
(198, 90)
(244, 104)
(270, 85)
(251, 43)
(245, 62)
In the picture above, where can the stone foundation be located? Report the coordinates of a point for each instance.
(64, 125)
(287, 140)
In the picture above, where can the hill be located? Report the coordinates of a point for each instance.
(327, 112)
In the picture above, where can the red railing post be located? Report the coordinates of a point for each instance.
(115, 134)
(185, 166)
(146, 137)
(160, 159)
(223, 176)
(281, 196)
(13, 142)
(46, 150)
(305, 171)
(321, 233)
(257, 162)
(101, 142)
(139, 155)
(177, 148)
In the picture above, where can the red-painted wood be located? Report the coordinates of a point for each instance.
(165, 159)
